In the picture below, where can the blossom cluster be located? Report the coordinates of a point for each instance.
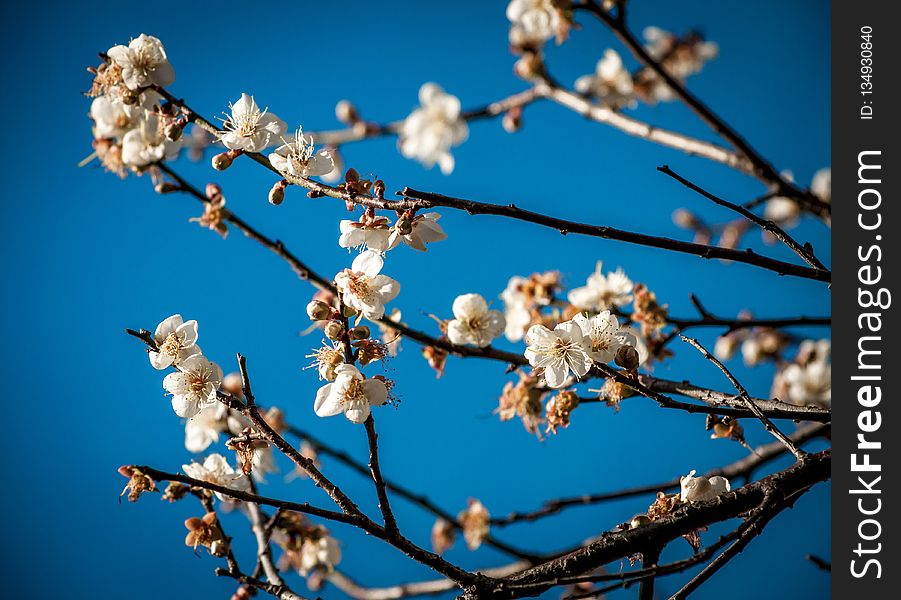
(574, 346)
(132, 127)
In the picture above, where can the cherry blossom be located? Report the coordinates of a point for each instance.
(248, 128)
(113, 118)
(534, 21)
(176, 340)
(603, 336)
(351, 394)
(611, 82)
(370, 231)
(143, 62)
(558, 352)
(194, 386)
(323, 553)
(602, 292)
(298, 157)
(430, 131)
(145, 144)
(363, 288)
(417, 232)
(699, 489)
(216, 470)
(473, 322)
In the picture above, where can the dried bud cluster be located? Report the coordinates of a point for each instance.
(523, 400)
(138, 483)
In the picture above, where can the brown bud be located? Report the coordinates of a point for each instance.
(361, 332)
(627, 358)
(528, 66)
(166, 187)
(277, 193)
(378, 188)
(685, 219)
(318, 310)
(233, 384)
(346, 112)
(334, 330)
(639, 520)
(213, 191)
(222, 161)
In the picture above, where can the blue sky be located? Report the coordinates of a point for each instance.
(86, 255)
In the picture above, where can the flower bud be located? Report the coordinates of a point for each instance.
(685, 219)
(639, 520)
(528, 66)
(334, 330)
(212, 191)
(175, 128)
(512, 120)
(627, 358)
(318, 310)
(360, 332)
(277, 193)
(404, 225)
(166, 187)
(222, 161)
(378, 188)
(219, 548)
(346, 112)
(233, 384)
(349, 311)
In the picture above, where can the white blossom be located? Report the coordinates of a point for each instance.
(430, 131)
(611, 82)
(370, 232)
(808, 380)
(533, 20)
(351, 394)
(687, 61)
(821, 184)
(263, 463)
(215, 469)
(298, 157)
(473, 322)
(363, 288)
(603, 336)
(516, 309)
(602, 292)
(204, 428)
(557, 352)
(424, 229)
(143, 62)
(248, 128)
(145, 144)
(176, 340)
(194, 385)
(698, 489)
(113, 118)
(322, 553)
(782, 211)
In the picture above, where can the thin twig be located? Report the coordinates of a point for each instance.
(376, 471)
(804, 252)
(748, 401)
